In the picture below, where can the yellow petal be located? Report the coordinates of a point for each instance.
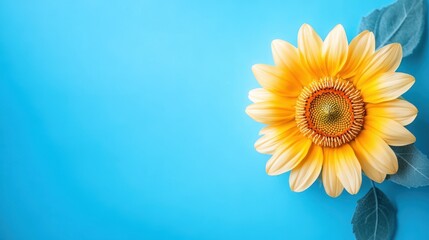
(287, 57)
(289, 154)
(387, 86)
(347, 168)
(373, 173)
(275, 136)
(310, 48)
(334, 50)
(389, 130)
(271, 129)
(304, 175)
(361, 49)
(384, 60)
(277, 80)
(399, 110)
(270, 112)
(332, 184)
(374, 154)
(262, 95)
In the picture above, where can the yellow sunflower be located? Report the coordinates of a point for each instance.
(332, 108)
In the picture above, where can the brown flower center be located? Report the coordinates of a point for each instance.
(330, 112)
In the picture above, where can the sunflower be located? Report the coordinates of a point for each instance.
(332, 108)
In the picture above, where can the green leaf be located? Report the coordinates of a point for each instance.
(374, 217)
(413, 167)
(402, 22)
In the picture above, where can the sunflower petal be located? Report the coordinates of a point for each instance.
(332, 184)
(304, 175)
(373, 173)
(277, 80)
(289, 155)
(270, 112)
(347, 168)
(389, 130)
(386, 87)
(287, 57)
(310, 48)
(384, 60)
(361, 49)
(334, 50)
(399, 110)
(374, 154)
(260, 95)
(268, 143)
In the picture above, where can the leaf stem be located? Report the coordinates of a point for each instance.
(376, 209)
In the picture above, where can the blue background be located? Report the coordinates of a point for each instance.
(125, 120)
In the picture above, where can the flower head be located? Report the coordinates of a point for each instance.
(332, 108)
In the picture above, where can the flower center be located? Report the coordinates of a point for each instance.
(330, 112)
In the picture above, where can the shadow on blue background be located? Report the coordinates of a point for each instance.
(125, 120)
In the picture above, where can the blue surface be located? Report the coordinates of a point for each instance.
(125, 120)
